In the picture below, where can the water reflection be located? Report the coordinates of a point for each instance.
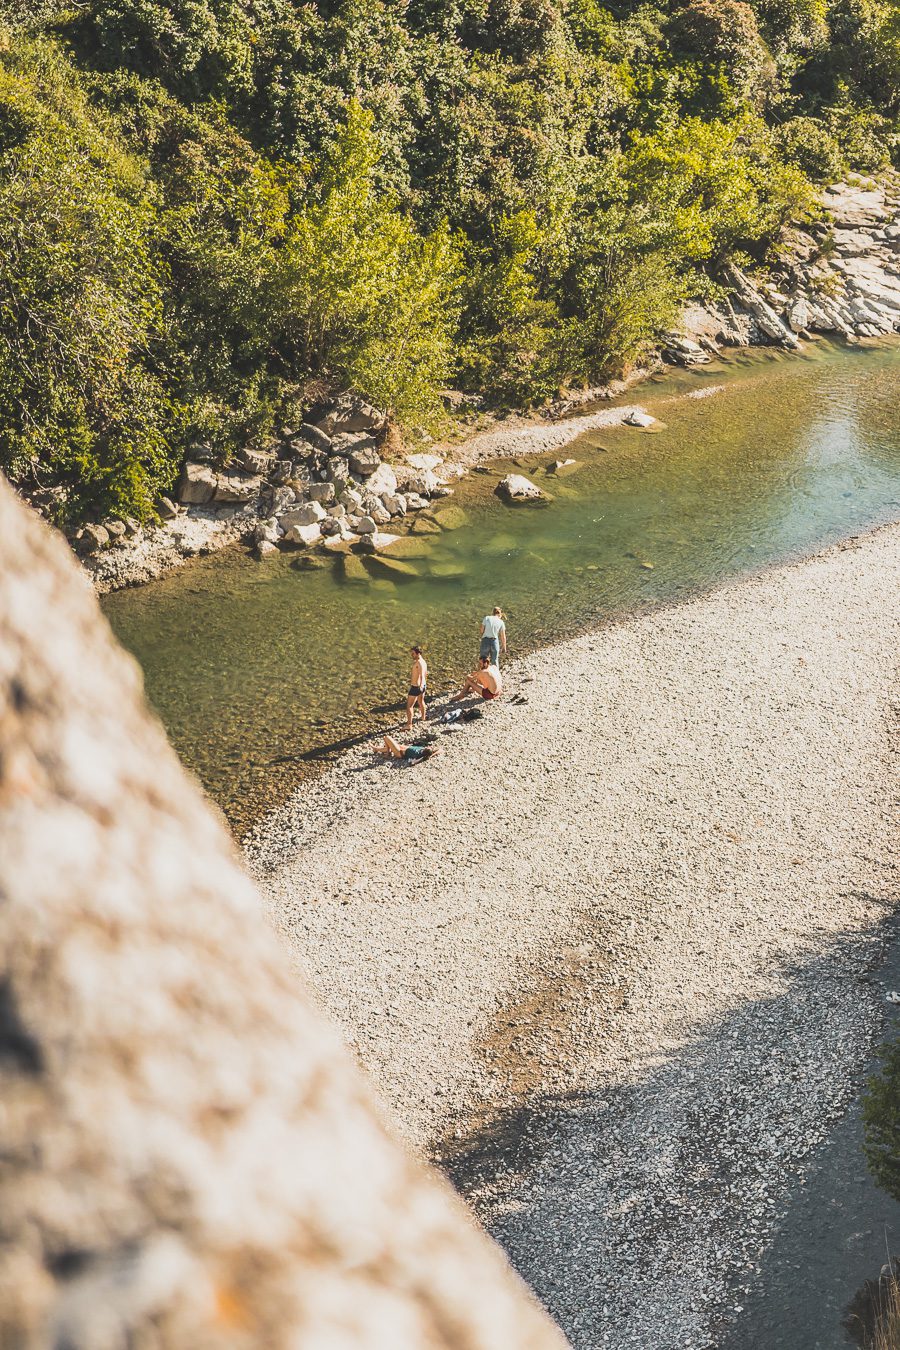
(252, 668)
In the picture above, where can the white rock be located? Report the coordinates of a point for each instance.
(365, 525)
(516, 488)
(394, 504)
(303, 535)
(636, 418)
(382, 480)
(266, 549)
(424, 462)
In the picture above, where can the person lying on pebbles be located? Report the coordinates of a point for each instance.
(414, 753)
(486, 681)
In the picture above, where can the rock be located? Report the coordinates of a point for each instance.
(314, 436)
(347, 442)
(799, 315)
(337, 511)
(349, 413)
(91, 539)
(416, 503)
(300, 479)
(394, 567)
(424, 463)
(330, 526)
(382, 480)
(516, 488)
(255, 461)
(636, 418)
(197, 485)
(201, 452)
(232, 487)
(303, 535)
(266, 549)
(133, 528)
(115, 529)
(364, 460)
(309, 513)
(561, 465)
(282, 471)
(763, 313)
(394, 504)
(423, 484)
(280, 499)
(379, 513)
(321, 492)
(166, 508)
(350, 498)
(451, 517)
(338, 472)
(268, 531)
(364, 525)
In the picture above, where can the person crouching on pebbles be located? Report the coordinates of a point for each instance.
(417, 682)
(486, 681)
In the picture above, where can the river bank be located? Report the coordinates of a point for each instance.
(609, 955)
(837, 277)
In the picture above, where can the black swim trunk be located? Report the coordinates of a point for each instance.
(415, 690)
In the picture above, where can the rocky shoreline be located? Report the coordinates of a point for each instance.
(341, 482)
(613, 954)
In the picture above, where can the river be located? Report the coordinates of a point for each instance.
(259, 672)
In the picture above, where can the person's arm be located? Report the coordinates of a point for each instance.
(503, 637)
(482, 630)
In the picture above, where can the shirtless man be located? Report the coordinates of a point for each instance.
(486, 681)
(417, 682)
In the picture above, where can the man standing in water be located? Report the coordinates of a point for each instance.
(493, 636)
(417, 682)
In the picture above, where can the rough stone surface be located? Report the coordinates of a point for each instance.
(350, 414)
(309, 513)
(197, 485)
(191, 1159)
(303, 535)
(383, 480)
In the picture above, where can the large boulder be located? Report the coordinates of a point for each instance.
(636, 418)
(351, 499)
(349, 413)
(197, 484)
(393, 503)
(424, 463)
(365, 525)
(382, 480)
(321, 492)
(338, 472)
(516, 488)
(310, 513)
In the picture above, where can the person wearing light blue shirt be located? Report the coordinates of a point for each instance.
(493, 636)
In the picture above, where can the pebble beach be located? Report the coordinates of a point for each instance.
(611, 957)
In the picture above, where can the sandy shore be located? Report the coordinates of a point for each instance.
(610, 955)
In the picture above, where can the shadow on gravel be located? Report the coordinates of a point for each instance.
(640, 1212)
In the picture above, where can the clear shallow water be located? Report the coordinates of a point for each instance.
(260, 670)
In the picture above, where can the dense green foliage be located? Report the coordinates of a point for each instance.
(209, 208)
(881, 1116)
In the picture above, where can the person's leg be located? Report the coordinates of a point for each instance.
(484, 647)
(410, 704)
(495, 651)
(421, 702)
(391, 747)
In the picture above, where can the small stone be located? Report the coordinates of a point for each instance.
(310, 513)
(394, 504)
(166, 508)
(314, 436)
(91, 539)
(255, 461)
(266, 549)
(365, 525)
(516, 488)
(115, 529)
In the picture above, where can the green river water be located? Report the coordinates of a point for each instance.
(261, 671)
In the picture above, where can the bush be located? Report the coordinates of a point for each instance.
(806, 143)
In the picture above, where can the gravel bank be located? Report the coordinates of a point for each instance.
(612, 956)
